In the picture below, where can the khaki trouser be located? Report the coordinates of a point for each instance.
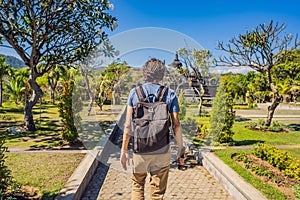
(158, 165)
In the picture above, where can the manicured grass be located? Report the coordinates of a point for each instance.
(294, 152)
(267, 190)
(244, 136)
(46, 171)
(47, 122)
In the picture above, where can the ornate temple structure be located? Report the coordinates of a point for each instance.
(208, 84)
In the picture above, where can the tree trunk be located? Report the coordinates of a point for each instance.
(52, 96)
(276, 99)
(200, 93)
(200, 106)
(36, 95)
(89, 91)
(271, 109)
(1, 88)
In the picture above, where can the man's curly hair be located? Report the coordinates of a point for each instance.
(154, 70)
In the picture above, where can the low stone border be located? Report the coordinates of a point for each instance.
(231, 181)
(79, 180)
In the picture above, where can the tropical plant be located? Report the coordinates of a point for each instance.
(257, 49)
(5, 174)
(111, 81)
(52, 32)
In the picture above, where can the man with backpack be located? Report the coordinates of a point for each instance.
(151, 109)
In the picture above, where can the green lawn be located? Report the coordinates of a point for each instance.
(44, 173)
(244, 136)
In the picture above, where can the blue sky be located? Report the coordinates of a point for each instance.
(206, 21)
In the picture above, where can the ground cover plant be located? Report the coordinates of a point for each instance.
(274, 167)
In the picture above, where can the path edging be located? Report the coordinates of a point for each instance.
(231, 181)
(79, 180)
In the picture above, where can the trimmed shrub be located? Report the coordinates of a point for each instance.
(283, 160)
(5, 174)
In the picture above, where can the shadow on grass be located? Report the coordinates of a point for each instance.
(11, 110)
(248, 142)
(295, 127)
(241, 119)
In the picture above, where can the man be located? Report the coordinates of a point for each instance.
(157, 164)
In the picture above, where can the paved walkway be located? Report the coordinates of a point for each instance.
(111, 182)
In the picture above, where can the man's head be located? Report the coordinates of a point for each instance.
(154, 70)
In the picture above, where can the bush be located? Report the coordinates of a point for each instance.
(222, 116)
(69, 132)
(5, 174)
(283, 160)
(275, 126)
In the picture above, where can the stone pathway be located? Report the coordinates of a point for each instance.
(110, 182)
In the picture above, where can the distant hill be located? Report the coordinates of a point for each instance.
(13, 61)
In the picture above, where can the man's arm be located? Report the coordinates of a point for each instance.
(177, 132)
(125, 159)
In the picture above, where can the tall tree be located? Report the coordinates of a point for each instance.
(199, 62)
(5, 69)
(287, 73)
(257, 49)
(110, 81)
(52, 32)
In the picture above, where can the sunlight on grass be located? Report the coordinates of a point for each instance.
(269, 191)
(244, 136)
(47, 171)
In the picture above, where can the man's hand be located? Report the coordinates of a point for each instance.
(125, 158)
(181, 156)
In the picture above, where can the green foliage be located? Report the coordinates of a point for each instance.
(13, 61)
(261, 172)
(199, 60)
(296, 191)
(283, 160)
(182, 105)
(260, 125)
(268, 191)
(69, 132)
(189, 126)
(275, 126)
(5, 173)
(222, 116)
(54, 32)
(110, 83)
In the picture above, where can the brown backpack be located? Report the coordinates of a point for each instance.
(151, 123)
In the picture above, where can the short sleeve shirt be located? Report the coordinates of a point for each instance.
(149, 88)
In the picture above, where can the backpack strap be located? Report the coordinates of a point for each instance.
(140, 93)
(161, 93)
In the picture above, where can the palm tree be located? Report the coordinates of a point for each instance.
(16, 89)
(21, 76)
(5, 69)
